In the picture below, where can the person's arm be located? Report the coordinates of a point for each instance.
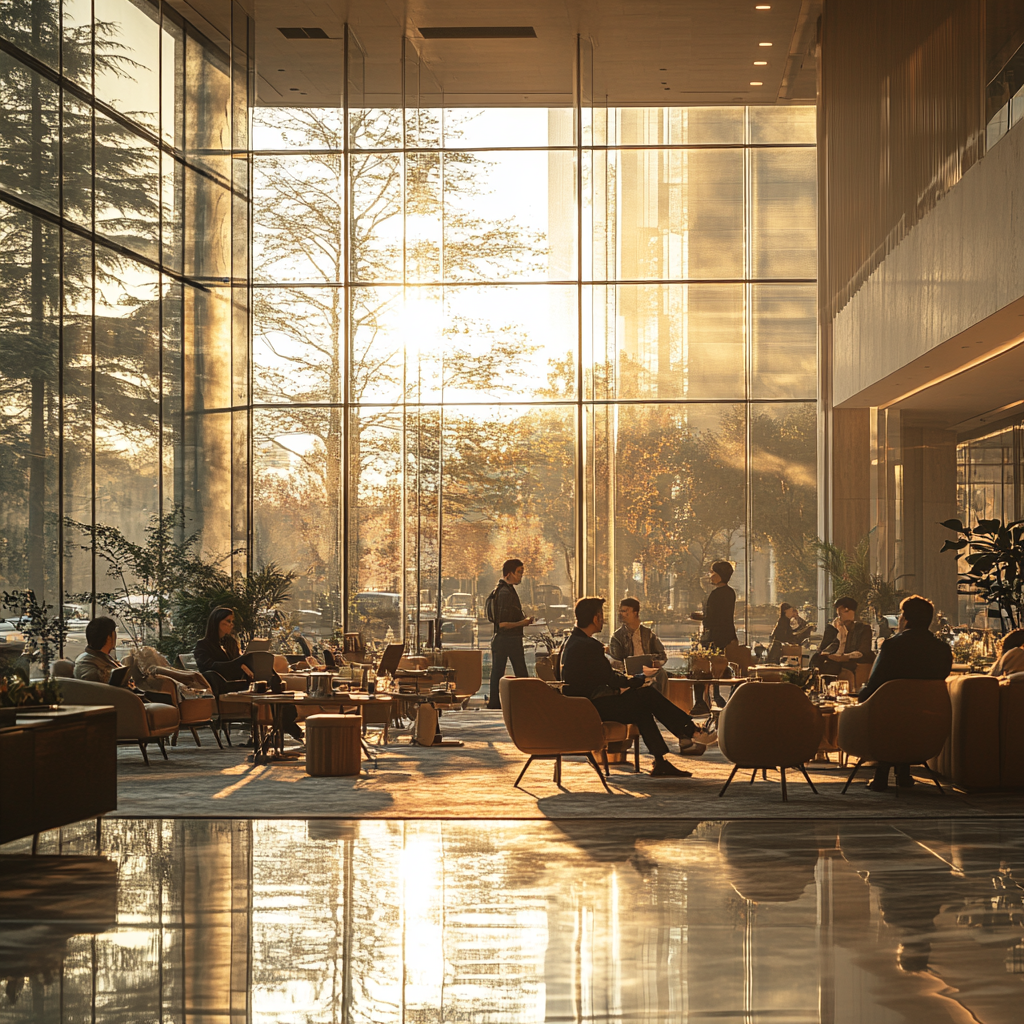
(616, 648)
(506, 609)
(206, 652)
(90, 671)
(658, 651)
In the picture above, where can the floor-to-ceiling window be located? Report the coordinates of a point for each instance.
(584, 336)
(124, 180)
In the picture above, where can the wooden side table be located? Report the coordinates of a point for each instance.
(333, 745)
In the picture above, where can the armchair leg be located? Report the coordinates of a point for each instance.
(162, 743)
(523, 772)
(195, 735)
(753, 775)
(174, 739)
(597, 768)
(782, 772)
(558, 769)
(735, 768)
(227, 732)
(216, 735)
(636, 754)
(854, 772)
(808, 778)
(935, 777)
(145, 756)
(604, 761)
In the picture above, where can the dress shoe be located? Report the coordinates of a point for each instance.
(705, 738)
(667, 770)
(691, 749)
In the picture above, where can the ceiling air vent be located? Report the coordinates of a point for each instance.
(303, 33)
(479, 32)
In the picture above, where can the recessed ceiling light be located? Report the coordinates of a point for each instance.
(280, 69)
(764, 44)
(757, 83)
(760, 63)
(294, 88)
(762, 7)
(663, 69)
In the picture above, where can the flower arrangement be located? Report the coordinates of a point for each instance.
(16, 691)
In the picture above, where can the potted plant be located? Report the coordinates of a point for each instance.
(44, 633)
(18, 693)
(995, 564)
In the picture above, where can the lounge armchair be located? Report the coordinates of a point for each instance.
(143, 723)
(546, 725)
(905, 721)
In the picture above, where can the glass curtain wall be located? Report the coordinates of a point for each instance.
(581, 336)
(124, 211)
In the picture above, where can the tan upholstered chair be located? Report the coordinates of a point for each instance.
(905, 721)
(144, 723)
(544, 724)
(769, 725)
(469, 673)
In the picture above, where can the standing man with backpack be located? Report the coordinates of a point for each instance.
(505, 611)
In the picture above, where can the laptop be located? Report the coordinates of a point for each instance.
(637, 662)
(257, 644)
(390, 658)
(188, 662)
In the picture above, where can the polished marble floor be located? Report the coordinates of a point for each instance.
(295, 922)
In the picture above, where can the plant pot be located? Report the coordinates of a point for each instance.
(700, 667)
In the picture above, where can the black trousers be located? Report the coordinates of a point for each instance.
(504, 649)
(644, 707)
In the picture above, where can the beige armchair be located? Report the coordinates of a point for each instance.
(144, 723)
(905, 721)
(544, 724)
(769, 725)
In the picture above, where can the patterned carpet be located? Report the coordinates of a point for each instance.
(476, 781)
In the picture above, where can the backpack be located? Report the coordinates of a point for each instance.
(490, 605)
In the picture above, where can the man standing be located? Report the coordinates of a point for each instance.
(586, 672)
(913, 653)
(845, 643)
(509, 621)
(632, 639)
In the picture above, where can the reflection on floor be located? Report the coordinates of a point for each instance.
(283, 922)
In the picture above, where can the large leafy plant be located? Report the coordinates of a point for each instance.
(994, 562)
(851, 576)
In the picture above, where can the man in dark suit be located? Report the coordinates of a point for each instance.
(586, 672)
(845, 642)
(913, 653)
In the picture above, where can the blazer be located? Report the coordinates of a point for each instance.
(95, 666)
(222, 658)
(586, 672)
(621, 646)
(912, 654)
(719, 611)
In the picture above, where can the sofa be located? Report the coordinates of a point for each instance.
(985, 749)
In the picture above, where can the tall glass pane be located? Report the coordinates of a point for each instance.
(784, 342)
(784, 511)
(128, 58)
(784, 216)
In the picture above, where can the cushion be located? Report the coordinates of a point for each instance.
(162, 717)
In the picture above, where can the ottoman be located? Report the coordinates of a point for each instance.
(333, 744)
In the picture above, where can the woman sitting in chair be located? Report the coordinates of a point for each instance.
(790, 629)
(217, 653)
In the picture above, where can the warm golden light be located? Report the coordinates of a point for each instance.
(757, 83)
(764, 44)
(760, 63)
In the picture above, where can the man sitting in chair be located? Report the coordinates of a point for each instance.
(845, 642)
(586, 672)
(915, 652)
(632, 639)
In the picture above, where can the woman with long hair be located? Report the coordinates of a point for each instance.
(218, 653)
(790, 629)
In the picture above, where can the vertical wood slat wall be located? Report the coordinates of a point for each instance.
(902, 119)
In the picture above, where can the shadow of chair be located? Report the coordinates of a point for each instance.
(546, 725)
(769, 725)
(904, 722)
